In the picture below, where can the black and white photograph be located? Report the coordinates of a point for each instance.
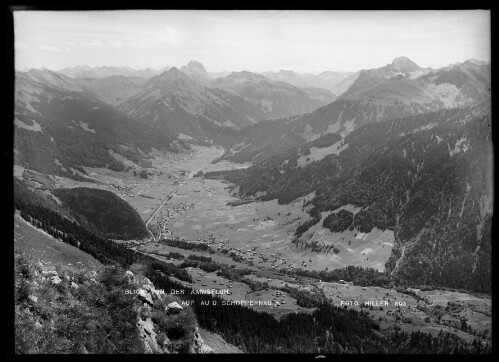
(313, 182)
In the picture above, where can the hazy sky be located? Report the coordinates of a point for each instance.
(305, 41)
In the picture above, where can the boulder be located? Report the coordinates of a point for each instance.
(38, 325)
(145, 296)
(33, 298)
(55, 279)
(129, 275)
(74, 285)
(173, 308)
(199, 346)
(156, 293)
(146, 330)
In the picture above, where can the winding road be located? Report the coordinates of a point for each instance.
(170, 195)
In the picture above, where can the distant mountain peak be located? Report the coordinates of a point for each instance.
(195, 69)
(172, 70)
(399, 60)
(168, 78)
(476, 62)
(404, 64)
(35, 71)
(244, 74)
(196, 64)
(286, 72)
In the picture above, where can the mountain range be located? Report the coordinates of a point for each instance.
(84, 71)
(334, 82)
(399, 89)
(252, 115)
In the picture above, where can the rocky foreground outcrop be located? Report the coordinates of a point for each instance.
(70, 309)
(148, 294)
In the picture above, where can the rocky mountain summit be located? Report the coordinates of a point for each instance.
(196, 70)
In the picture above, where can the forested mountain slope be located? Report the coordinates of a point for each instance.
(112, 89)
(426, 177)
(103, 212)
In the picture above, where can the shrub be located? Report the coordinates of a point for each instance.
(113, 277)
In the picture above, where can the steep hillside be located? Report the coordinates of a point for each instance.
(427, 178)
(322, 95)
(262, 140)
(30, 240)
(68, 302)
(59, 127)
(109, 89)
(346, 83)
(112, 89)
(103, 212)
(461, 83)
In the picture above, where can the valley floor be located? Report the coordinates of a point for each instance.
(262, 232)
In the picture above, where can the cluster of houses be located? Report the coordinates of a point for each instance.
(180, 208)
(221, 283)
(167, 214)
(122, 190)
(248, 255)
(277, 295)
(212, 242)
(163, 228)
(276, 261)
